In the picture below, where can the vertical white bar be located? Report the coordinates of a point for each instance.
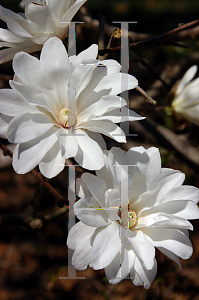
(125, 69)
(71, 219)
(124, 207)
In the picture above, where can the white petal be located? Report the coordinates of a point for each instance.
(68, 143)
(104, 173)
(54, 60)
(18, 29)
(106, 103)
(141, 276)
(112, 66)
(106, 245)
(4, 122)
(28, 69)
(171, 239)
(96, 186)
(11, 104)
(79, 239)
(52, 163)
(33, 96)
(87, 55)
(8, 54)
(88, 211)
(116, 159)
(24, 128)
(149, 163)
(133, 155)
(183, 209)
(89, 154)
(67, 17)
(188, 76)
(170, 255)
(121, 265)
(87, 96)
(97, 137)
(41, 38)
(112, 83)
(107, 128)
(28, 155)
(143, 249)
(164, 220)
(8, 36)
(112, 203)
(4, 12)
(184, 192)
(82, 189)
(56, 8)
(120, 115)
(167, 181)
(41, 17)
(102, 85)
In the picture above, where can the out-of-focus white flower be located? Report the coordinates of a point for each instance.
(111, 234)
(186, 99)
(43, 19)
(59, 106)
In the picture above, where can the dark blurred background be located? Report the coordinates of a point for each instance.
(31, 261)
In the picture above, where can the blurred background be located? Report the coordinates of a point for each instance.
(32, 260)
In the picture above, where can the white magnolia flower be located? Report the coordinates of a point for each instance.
(59, 105)
(111, 234)
(43, 19)
(186, 99)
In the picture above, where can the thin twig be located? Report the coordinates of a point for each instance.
(169, 139)
(5, 78)
(153, 41)
(101, 35)
(146, 64)
(60, 199)
(26, 218)
(149, 99)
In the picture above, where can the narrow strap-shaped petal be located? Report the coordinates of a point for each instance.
(53, 162)
(89, 154)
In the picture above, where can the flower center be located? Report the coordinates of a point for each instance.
(129, 218)
(132, 218)
(66, 118)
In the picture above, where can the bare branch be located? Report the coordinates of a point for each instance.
(149, 99)
(161, 39)
(61, 201)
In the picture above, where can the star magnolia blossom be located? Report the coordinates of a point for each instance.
(186, 99)
(59, 105)
(43, 19)
(111, 234)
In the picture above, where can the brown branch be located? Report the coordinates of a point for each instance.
(26, 218)
(61, 201)
(169, 139)
(149, 99)
(5, 78)
(151, 70)
(101, 35)
(153, 41)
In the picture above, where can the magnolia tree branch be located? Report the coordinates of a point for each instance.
(61, 201)
(149, 99)
(147, 65)
(179, 143)
(26, 218)
(5, 78)
(159, 40)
